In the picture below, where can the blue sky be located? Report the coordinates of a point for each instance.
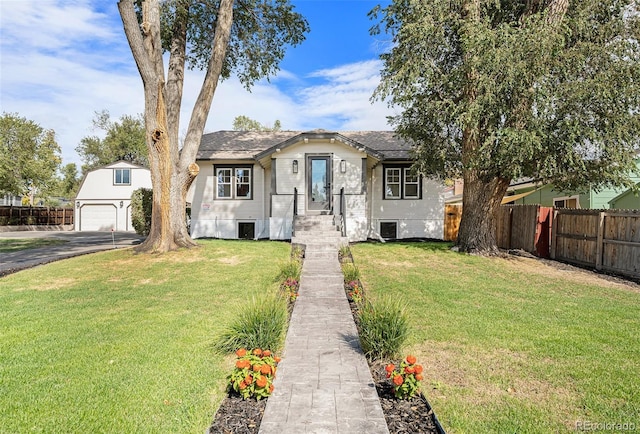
(63, 60)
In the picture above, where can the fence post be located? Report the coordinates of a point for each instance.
(600, 241)
(554, 236)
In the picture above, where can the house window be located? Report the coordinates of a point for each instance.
(233, 182)
(411, 184)
(401, 183)
(389, 230)
(567, 202)
(246, 230)
(122, 176)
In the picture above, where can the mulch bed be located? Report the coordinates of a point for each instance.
(237, 416)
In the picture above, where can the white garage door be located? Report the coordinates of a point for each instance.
(97, 217)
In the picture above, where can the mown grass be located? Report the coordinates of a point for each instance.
(512, 345)
(14, 244)
(115, 342)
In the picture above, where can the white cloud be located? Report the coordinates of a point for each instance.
(67, 61)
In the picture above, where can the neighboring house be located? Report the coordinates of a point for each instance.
(626, 200)
(103, 202)
(529, 193)
(247, 180)
(10, 200)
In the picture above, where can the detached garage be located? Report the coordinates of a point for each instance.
(104, 199)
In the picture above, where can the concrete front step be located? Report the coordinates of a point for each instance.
(314, 223)
(318, 238)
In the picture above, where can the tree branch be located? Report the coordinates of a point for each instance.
(175, 74)
(136, 42)
(212, 77)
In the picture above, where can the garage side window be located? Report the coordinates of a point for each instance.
(234, 182)
(122, 176)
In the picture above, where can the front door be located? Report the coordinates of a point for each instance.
(319, 183)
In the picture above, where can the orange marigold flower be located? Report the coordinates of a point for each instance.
(257, 352)
(388, 374)
(248, 379)
(241, 364)
(418, 369)
(241, 352)
(398, 380)
(271, 388)
(411, 359)
(265, 369)
(242, 385)
(277, 359)
(390, 367)
(419, 377)
(262, 381)
(256, 368)
(266, 353)
(409, 370)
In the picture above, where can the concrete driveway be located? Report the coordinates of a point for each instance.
(78, 243)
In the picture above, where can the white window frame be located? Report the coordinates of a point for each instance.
(395, 172)
(236, 181)
(565, 199)
(406, 174)
(121, 171)
(404, 179)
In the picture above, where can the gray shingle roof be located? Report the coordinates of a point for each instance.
(256, 144)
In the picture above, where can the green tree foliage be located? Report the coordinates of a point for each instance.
(29, 156)
(70, 182)
(245, 123)
(124, 140)
(141, 203)
(247, 38)
(493, 91)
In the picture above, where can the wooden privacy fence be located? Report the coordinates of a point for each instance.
(525, 227)
(607, 240)
(41, 216)
(452, 216)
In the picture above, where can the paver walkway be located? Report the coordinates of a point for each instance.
(323, 383)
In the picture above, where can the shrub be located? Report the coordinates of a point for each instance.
(253, 374)
(290, 288)
(350, 272)
(141, 205)
(262, 323)
(406, 379)
(355, 291)
(383, 328)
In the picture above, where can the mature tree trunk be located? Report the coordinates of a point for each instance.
(481, 201)
(172, 170)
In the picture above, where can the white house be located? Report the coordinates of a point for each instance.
(251, 184)
(103, 202)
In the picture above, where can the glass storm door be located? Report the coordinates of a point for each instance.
(319, 183)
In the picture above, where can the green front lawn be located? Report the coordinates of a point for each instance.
(119, 343)
(512, 345)
(14, 244)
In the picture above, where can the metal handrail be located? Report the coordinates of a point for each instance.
(295, 201)
(343, 206)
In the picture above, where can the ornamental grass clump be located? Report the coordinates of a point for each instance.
(253, 374)
(261, 323)
(350, 272)
(290, 269)
(406, 378)
(384, 327)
